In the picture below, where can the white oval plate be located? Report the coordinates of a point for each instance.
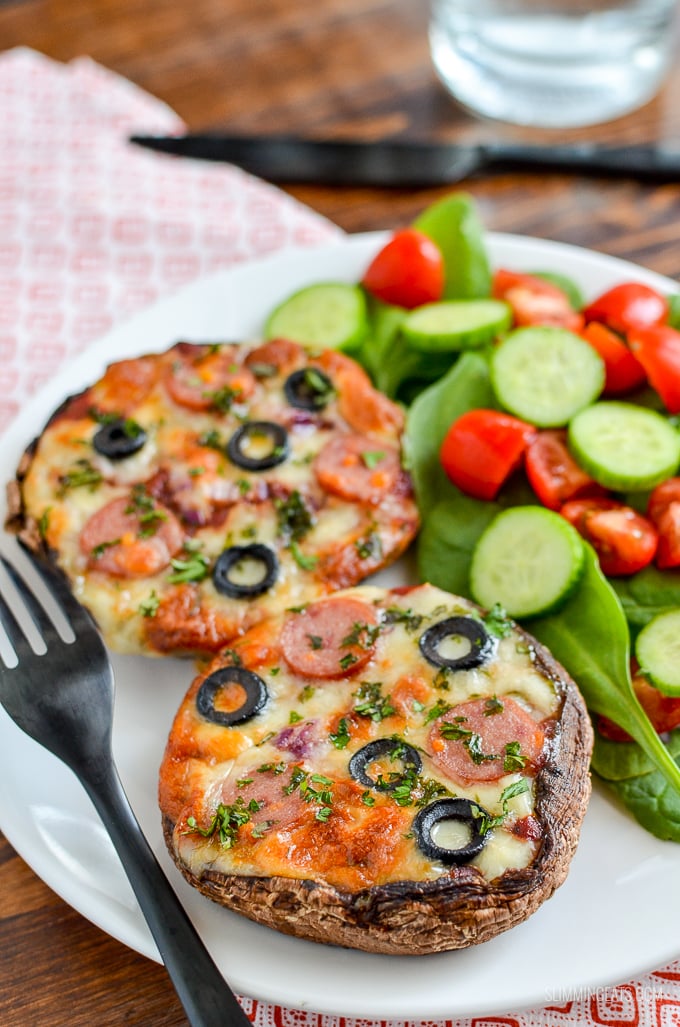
(616, 916)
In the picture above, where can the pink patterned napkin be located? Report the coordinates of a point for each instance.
(92, 230)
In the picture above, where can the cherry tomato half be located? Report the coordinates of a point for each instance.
(663, 510)
(623, 539)
(407, 272)
(482, 449)
(553, 473)
(628, 305)
(662, 710)
(658, 350)
(623, 371)
(535, 301)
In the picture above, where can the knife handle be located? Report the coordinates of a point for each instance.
(638, 161)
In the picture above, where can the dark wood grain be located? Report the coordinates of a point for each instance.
(328, 68)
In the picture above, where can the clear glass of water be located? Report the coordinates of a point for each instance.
(552, 64)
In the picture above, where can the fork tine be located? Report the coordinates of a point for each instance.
(38, 615)
(56, 582)
(14, 631)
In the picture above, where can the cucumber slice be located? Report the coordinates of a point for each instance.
(623, 446)
(328, 314)
(529, 560)
(546, 375)
(657, 650)
(456, 324)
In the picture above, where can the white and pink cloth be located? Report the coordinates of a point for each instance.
(93, 230)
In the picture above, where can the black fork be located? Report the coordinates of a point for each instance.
(63, 699)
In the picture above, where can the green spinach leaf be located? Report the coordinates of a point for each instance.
(589, 636)
(467, 385)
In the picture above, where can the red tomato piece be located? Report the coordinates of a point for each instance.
(668, 527)
(553, 473)
(663, 509)
(628, 305)
(657, 347)
(623, 371)
(623, 539)
(482, 449)
(535, 301)
(662, 496)
(407, 272)
(662, 710)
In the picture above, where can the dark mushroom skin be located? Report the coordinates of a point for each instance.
(459, 908)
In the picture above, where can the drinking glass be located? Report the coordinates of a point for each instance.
(552, 64)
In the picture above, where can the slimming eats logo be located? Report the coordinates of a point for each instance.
(612, 998)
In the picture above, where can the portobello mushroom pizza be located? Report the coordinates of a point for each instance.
(188, 494)
(393, 771)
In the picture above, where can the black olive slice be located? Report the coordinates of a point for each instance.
(465, 812)
(277, 448)
(230, 558)
(481, 643)
(308, 389)
(120, 438)
(255, 695)
(381, 747)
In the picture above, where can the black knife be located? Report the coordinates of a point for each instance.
(282, 158)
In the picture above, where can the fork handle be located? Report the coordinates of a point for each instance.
(205, 995)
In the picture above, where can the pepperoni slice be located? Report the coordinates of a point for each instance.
(363, 407)
(355, 467)
(124, 385)
(280, 354)
(131, 540)
(330, 638)
(202, 377)
(487, 739)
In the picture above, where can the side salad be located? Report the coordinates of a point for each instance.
(543, 440)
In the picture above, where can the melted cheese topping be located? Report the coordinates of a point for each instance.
(311, 727)
(217, 503)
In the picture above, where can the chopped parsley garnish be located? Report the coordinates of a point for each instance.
(368, 799)
(372, 703)
(295, 717)
(397, 615)
(369, 546)
(362, 635)
(486, 820)
(340, 738)
(99, 550)
(293, 517)
(493, 706)
(149, 606)
(81, 475)
(306, 562)
(513, 759)
(223, 399)
(44, 522)
(497, 622)
(317, 386)
(438, 710)
(315, 641)
(454, 731)
(305, 783)
(227, 821)
(347, 661)
(212, 440)
(372, 457)
(192, 567)
(306, 693)
(148, 514)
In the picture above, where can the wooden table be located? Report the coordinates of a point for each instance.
(333, 68)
